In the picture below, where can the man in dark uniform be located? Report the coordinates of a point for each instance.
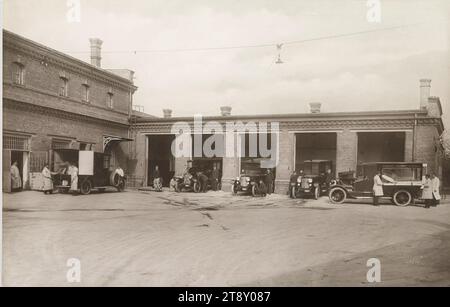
(269, 181)
(328, 178)
(203, 180)
(214, 178)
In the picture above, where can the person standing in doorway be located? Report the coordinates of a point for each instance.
(269, 182)
(377, 188)
(157, 180)
(16, 180)
(435, 184)
(203, 180)
(214, 178)
(328, 178)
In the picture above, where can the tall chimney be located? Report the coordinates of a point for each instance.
(167, 113)
(424, 92)
(96, 51)
(315, 107)
(225, 110)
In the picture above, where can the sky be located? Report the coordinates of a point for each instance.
(376, 70)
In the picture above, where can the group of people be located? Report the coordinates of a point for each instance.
(68, 169)
(430, 192)
(202, 178)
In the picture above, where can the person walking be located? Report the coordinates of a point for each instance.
(427, 192)
(47, 180)
(16, 180)
(269, 181)
(73, 172)
(328, 178)
(435, 184)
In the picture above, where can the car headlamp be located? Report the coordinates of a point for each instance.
(299, 179)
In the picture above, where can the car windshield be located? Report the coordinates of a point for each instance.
(406, 172)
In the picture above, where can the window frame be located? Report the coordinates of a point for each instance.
(18, 71)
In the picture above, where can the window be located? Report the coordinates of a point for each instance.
(18, 73)
(15, 142)
(85, 92)
(60, 144)
(110, 100)
(64, 86)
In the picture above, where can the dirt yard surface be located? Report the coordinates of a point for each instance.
(144, 238)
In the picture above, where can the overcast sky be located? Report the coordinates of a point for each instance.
(372, 71)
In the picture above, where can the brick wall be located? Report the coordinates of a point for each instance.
(346, 151)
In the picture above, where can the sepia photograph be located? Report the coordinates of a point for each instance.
(252, 144)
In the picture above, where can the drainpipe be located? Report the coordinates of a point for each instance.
(414, 138)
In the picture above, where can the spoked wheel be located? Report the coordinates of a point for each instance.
(196, 187)
(255, 190)
(316, 193)
(402, 198)
(337, 195)
(86, 187)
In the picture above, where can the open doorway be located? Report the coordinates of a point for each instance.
(160, 154)
(315, 146)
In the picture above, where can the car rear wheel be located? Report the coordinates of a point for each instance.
(316, 193)
(337, 195)
(177, 187)
(402, 198)
(86, 187)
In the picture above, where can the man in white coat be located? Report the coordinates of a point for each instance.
(378, 186)
(435, 184)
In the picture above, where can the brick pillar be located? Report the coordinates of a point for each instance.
(230, 166)
(180, 165)
(409, 146)
(137, 166)
(346, 151)
(286, 161)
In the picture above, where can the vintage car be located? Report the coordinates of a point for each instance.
(402, 182)
(251, 176)
(313, 180)
(94, 171)
(206, 166)
(188, 181)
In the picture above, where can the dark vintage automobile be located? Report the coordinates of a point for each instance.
(206, 166)
(402, 183)
(251, 176)
(312, 182)
(188, 181)
(94, 171)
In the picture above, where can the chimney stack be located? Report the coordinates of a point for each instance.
(167, 113)
(315, 107)
(225, 110)
(96, 52)
(424, 92)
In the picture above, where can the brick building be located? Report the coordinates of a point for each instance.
(345, 138)
(53, 101)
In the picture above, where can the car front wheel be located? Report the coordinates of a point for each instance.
(316, 193)
(402, 198)
(233, 189)
(255, 190)
(197, 187)
(337, 195)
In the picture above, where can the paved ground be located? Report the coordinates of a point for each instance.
(215, 239)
